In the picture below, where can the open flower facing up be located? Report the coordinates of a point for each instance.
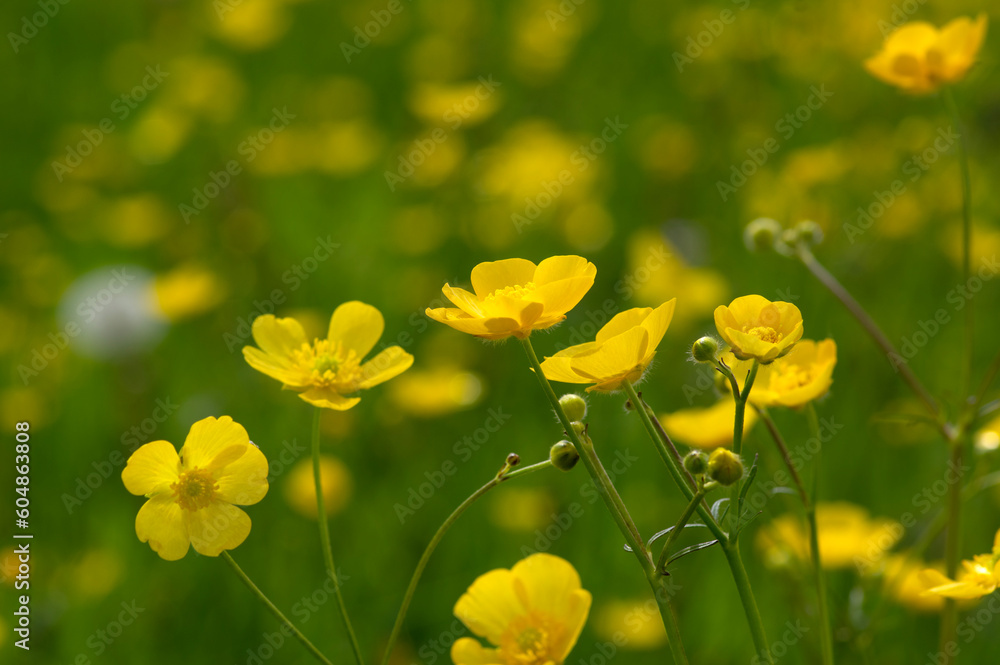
(622, 351)
(708, 427)
(805, 373)
(514, 296)
(755, 327)
(978, 577)
(918, 58)
(532, 614)
(192, 496)
(328, 371)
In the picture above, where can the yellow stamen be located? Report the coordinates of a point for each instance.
(516, 291)
(194, 489)
(530, 640)
(330, 365)
(765, 333)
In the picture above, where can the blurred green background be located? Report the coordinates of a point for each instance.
(138, 138)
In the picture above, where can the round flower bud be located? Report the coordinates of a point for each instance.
(760, 234)
(724, 467)
(578, 427)
(563, 456)
(705, 349)
(696, 462)
(809, 232)
(574, 406)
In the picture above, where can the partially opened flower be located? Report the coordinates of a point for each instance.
(622, 351)
(978, 577)
(532, 614)
(514, 296)
(755, 327)
(706, 427)
(327, 372)
(193, 496)
(918, 58)
(805, 373)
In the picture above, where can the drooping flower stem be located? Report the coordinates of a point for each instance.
(506, 473)
(826, 629)
(615, 505)
(324, 538)
(274, 609)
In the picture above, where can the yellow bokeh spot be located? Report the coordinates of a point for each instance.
(300, 488)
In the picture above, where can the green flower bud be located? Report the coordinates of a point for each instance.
(705, 349)
(760, 234)
(574, 406)
(809, 232)
(696, 462)
(563, 456)
(724, 467)
(578, 427)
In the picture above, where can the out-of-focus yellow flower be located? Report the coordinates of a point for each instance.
(193, 497)
(454, 105)
(96, 573)
(795, 379)
(906, 583)
(136, 221)
(523, 509)
(8, 566)
(435, 392)
(250, 24)
(300, 489)
(325, 372)
(709, 427)
(622, 351)
(847, 537)
(632, 624)
(918, 58)
(755, 327)
(532, 614)
(987, 439)
(187, 290)
(978, 577)
(514, 296)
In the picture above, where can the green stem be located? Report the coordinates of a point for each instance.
(274, 609)
(952, 547)
(504, 475)
(826, 630)
(615, 505)
(667, 443)
(324, 537)
(736, 504)
(779, 441)
(661, 565)
(761, 645)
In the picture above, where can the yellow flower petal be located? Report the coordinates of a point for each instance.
(387, 364)
(494, 275)
(278, 337)
(552, 585)
(326, 398)
(217, 527)
(211, 438)
(556, 268)
(467, 651)
(564, 294)
(489, 605)
(357, 325)
(709, 427)
(244, 481)
(623, 321)
(465, 301)
(617, 358)
(151, 469)
(559, 368)
(276, 367)
(160, 523)
(657, 323)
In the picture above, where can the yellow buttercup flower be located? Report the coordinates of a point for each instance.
(622, 351)
(918, 58)
(708, 427)
(978, 577)
(532, 614)
(193, 497)
(805, 373)
(906, 583)
(514, 296)
(327, 371)
(755, 327)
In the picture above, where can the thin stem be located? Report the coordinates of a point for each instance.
(324, 537)
(741, 407)
(785, 455)
(274, 609)
(667, 442)
(826, 634)
(661, 564)
(952, 547)
(504, 475)
(761, 645)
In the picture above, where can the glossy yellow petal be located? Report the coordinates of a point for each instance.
(616, 358)
(623, 321)
(490, 604)
(709, 427)
(657, 323)
(497, 275)
(160, 523)
(244, 481)
(548, 583)
(276, 367)
(387, 364)
(151, 469)
(465, 301)
(217, 527)
(357, 325)
(213, 438)
(559, 368)
(278, 337)
(556, 268)
(575, 619)
(467, 651)
(563, 295)
(964, 590)
(325, 398)
(462, 322)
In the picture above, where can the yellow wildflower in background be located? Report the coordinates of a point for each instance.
(755, 327)
(532, 614)
(708, 427)
(622, 351)
(514, 296)
(906, 583)
(918, 58)
(793, 380)
(978, 577)
(193, 497)
(300, 488)
(325, 372)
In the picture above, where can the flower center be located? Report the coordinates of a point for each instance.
(786, 378)
(516, 291)
(194, 489)
(765, 333)
(331, 365)
(529, 640)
